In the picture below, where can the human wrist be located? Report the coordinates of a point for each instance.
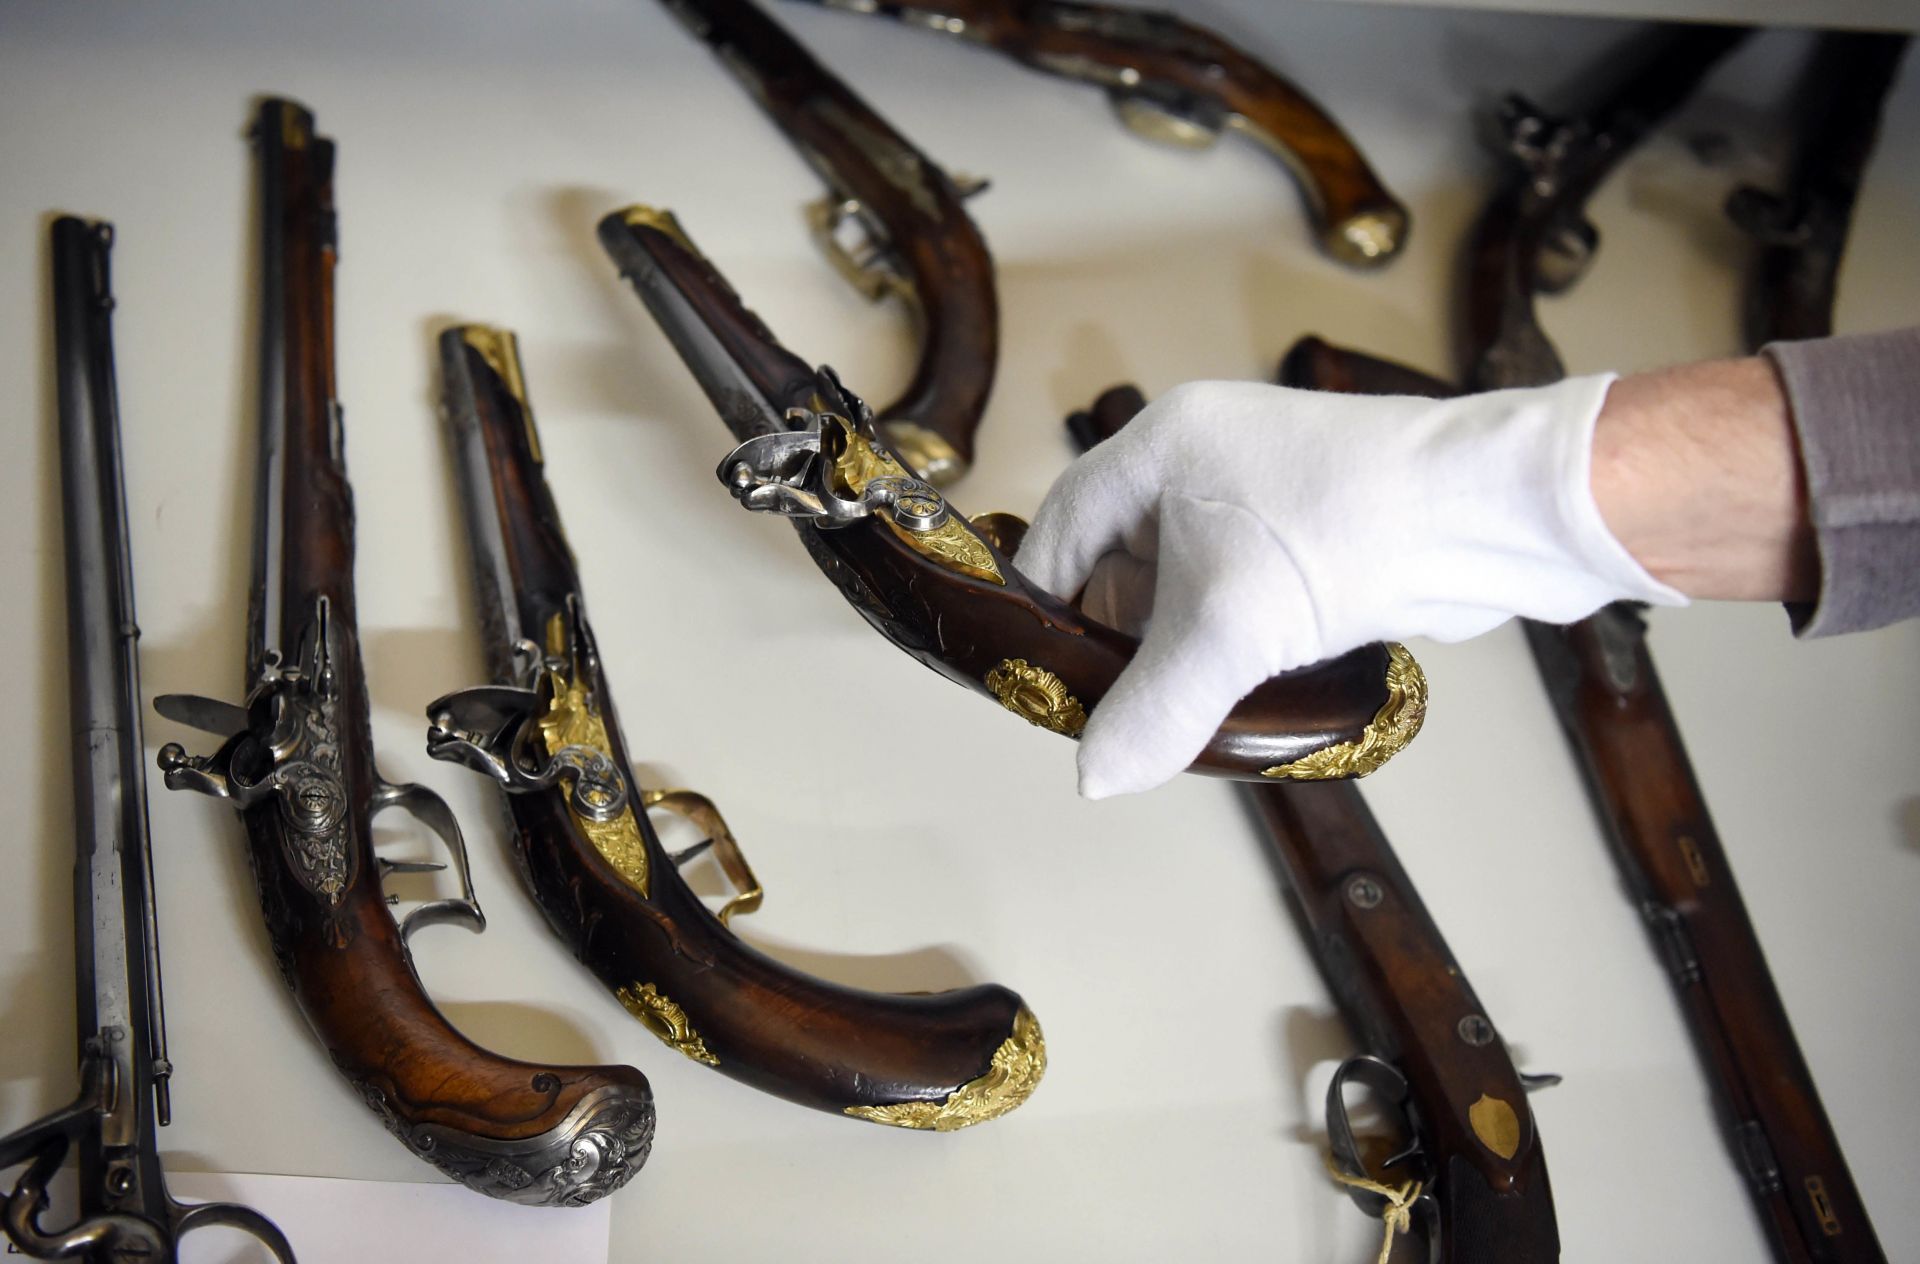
(1696, 471)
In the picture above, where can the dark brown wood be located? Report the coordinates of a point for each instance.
(478, 1116)
(1159, 61)
(961, 626)
(1627, 744)
(927, 239)
(762, 1022)
(1802, 229)
(1403, 995)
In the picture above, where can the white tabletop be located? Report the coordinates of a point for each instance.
(1189, 1035)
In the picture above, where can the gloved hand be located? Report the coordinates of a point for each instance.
(1251, 529)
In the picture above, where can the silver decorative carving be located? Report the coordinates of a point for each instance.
(792, 473)
(601, 1144)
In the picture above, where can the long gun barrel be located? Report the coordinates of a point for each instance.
(1178, 83)
(935, 585)
(920, 244)
(1601, 680)
(1473, 1171)
(297, 763)
(125, 1212)
(1802, 229)
(1623, 733)
(546, 730)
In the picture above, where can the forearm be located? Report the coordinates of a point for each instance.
(1697, 471)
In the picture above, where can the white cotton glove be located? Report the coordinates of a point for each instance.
(1252, 529)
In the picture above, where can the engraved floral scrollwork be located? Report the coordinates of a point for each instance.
(666, 1020)
(601, 1144)
(1394, 725)
(1037, 696)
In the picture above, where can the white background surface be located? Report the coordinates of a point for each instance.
(1189, 1036)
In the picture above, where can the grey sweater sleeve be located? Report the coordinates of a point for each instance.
(1856, 409)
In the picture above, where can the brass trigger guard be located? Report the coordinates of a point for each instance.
(428, 808)
(699, 809)
(866, 272)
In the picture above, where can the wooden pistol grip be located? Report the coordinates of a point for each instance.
(936, 1061)
(927, 250)
(520, 1131)
(956, 603)
(1177, 81)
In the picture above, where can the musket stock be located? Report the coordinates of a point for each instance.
(1473, 1169)
(920, 244)
(297, 763)
(545, 729)
(1180, 84)
(938, 587)
(125, 1213)
(1801, 230)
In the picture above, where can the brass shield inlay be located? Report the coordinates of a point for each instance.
(1496, 1125)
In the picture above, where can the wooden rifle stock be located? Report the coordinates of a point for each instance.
(547, 731)
(1179, 83)
(946, 594)
(1602, 682)
(921, 247)
(298, 765)
(1429, 1046)
(1802, 230)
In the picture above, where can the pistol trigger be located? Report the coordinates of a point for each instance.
(408, 866)
(1534, 1081)
(699, 809)
(681, 857)
(428, 808)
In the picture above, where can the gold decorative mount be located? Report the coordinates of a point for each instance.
(501, 350)
(952, 544)
(1037, 696)
(1010, 1080)
(660, 220)
(572, 720)
(1495, 1123)
(1393, 726)
(666, 1020)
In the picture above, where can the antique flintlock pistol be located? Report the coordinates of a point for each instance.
(1178, 83)
(940, 587)
(917, 242)
(1601, 680)
(297, 764)
(125, 1213)
(1470, 1172)
(545, 729)
(1802, 229)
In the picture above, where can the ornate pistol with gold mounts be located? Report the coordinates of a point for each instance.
(297, 764)
(1467, 1176)
(545, 729)
(941, 588)
(1181, 84)
(125, 1213)
(915, 241)
(1601, 680)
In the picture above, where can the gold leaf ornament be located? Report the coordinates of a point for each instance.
(1392, 727)
(1017, 1067)
(666, 1020)
(1037, 696)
